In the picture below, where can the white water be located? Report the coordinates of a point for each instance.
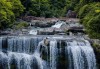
(81, 56)
(1, 44)
(53, 54)
(19, 52)
(26, 53)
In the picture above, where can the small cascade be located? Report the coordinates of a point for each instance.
(39, 60)
(19, 53)
(21, 44)
(54, 52)
(0, 43)
(80, 55)
(18, 60)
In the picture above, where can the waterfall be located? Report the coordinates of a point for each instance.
(80, 55)
(18, 53)
(0, 43)
(31, 52)
(53, 54)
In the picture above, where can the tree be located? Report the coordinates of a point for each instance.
(90, 18)
(17, 7)
(39, 8)
(94, 24)
(45, 8)
(6, 14)
(9, 10)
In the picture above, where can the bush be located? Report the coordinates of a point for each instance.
(84, 11)
(94, 24)
(90, 18)
(21, 25)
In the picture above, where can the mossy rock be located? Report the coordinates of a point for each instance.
(96, 48)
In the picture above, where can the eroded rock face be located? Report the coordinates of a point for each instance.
(46, 41)
(71, 14)
(42, 24)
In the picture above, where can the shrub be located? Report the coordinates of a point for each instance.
(91, 19)
(21, 25)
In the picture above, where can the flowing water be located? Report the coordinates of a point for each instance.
(80, 55)
(24, 52)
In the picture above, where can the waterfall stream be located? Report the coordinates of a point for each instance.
(53, 54)
(18, 52)
(81, 56)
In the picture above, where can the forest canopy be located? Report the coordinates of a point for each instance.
(9, 10)
(87, 10)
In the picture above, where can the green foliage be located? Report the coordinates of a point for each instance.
(71, 4)
(94, 27)
(21, 25)
(91, 19)
(83, 11)
(9, 9)
(6, 14)
(39, 8)
(89, 14)
(17, 7)
(96, 48)
(45, 8)
(94, 24)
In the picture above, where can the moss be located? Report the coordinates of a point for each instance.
(97, 53)
(13, 66)
(21, 25)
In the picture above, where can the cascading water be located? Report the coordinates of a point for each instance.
(80, 55)
(53, 54)
(32, 53)
(17, 53)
